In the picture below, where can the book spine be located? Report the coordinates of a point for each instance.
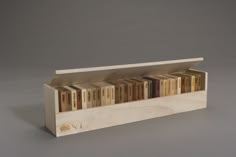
(145, 90)
(98, 96)
(103, 96)
(193, 83)
(150, 89)
(117, 94)
(176, 86)
(84, 96)
(152, 85)
(162, 88)
(94, 97)
(166, 87)
(172, 86)
(200, 83)
(169, 86)
(72, 97)
(140, 90)
(122, 93)
(201, 80)
(157, 88)
(165, 84)
(112, 94)
(183, 84)
(89, 98)
(130, 91)
(120, 98)
(126, 94)
(74, 100)
(136, 91)
(61, 100)
(64, 101)
(179, 85)
(108, 96)
(187, 84)
(196, 83)
(79, 99)
(154, 88)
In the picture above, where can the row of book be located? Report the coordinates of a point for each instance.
(82, 96)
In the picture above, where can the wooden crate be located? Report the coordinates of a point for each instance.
(71, 122)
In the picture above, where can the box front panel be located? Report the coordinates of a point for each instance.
(107, 116)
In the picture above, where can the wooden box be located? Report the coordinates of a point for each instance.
(71, 122)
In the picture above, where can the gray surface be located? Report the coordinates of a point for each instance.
(38, 37)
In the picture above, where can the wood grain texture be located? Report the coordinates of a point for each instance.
(51, 107)
(71, 122)
(107, 116)
(96, 74)
(205, 77)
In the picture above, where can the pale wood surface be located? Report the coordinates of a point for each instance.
(101, 117)
(50, 107)
(65, 123)
(96, 74)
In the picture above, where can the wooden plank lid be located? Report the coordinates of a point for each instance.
(96, 74)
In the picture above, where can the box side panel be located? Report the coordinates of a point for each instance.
(107, 116)
(50, 107)
(205, 83)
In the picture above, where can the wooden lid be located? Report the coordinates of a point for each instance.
(96, 74)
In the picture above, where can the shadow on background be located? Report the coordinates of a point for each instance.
(32, 114)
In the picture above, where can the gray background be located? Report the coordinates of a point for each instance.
(37, 37)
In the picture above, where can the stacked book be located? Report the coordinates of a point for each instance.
(110, 92)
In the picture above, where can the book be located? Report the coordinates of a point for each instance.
(189, 82)
(123, 90)
(174, 84)
(144, 89)
(81, 96)
(73, 97)
(112, 88)
(167, 85)
(119, 91)
(122, 94)
(155, 85)
(139, 89)
(105, 93)
(110, 93)
(149, 88)
(192, 81)
(185, 82)
(64, 99)
(162, 84)
(178, 83)
(101, 93)
(135, 89)
(128, 89)
(198, 81)
(90, 90)
(95, 101)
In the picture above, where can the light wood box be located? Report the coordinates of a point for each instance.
(71, 122)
